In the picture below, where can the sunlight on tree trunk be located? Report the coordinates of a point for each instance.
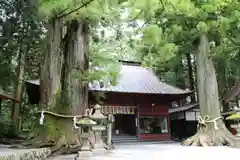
(211, 128)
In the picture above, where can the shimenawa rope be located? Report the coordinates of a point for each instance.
(41, 118)
(205, 120)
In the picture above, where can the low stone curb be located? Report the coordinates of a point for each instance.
(27, 154)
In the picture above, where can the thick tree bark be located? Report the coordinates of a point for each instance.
(63, 92)
(76, 63)
(50, 81)
(211, 129)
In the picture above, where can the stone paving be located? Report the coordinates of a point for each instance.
(162, 151)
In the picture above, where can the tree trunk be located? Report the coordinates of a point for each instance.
(50, 81)
(76, 63)
(190, 75)
(0, 107)
(62, 91)
(21, 68)
(211, 128)
(195, 71)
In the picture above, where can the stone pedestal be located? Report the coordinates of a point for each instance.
(99, 144)
(98, 147)
(85, 151)
(83, 155)
(85, 145)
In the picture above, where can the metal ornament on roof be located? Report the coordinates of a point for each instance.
(100, 84)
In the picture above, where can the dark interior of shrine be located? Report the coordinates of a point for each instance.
(125, 124)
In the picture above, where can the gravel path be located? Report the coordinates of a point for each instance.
(164, 152)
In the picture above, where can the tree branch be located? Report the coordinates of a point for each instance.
(74, 10)
(135, 18)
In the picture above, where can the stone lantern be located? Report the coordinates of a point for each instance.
(235, 117)
(98, 129)
(84, 125)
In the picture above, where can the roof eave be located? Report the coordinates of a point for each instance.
(148, 93)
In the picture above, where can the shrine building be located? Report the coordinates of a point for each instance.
(140, 103)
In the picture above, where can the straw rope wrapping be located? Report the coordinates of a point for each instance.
(41, 118)
(205, 120)
(74, 122)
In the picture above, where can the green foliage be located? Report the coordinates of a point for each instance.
(5, 121)
(21, 32)
(93, 10)
(171, 30)
(103, 64)
(163, 32)
(202, 27)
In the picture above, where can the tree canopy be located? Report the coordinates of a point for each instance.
(162, 34)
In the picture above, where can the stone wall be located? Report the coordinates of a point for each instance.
(25, 154)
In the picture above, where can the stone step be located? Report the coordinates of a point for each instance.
(143, 142)
(124, 139)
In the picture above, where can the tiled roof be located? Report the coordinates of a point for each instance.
(135, 79)
(34, 81)
(183, 108)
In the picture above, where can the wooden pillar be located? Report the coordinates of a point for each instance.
(109, 132)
